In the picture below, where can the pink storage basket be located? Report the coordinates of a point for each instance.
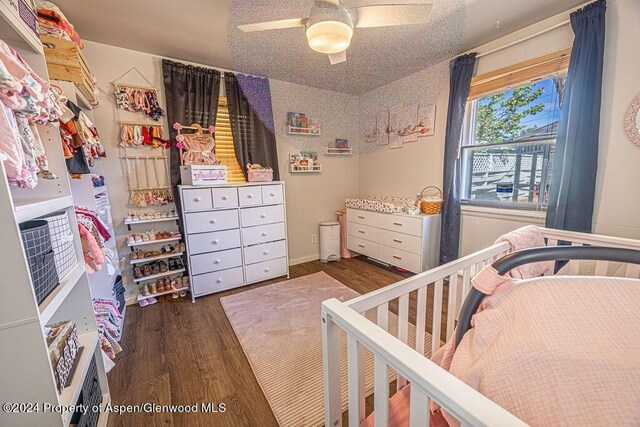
(259, 175)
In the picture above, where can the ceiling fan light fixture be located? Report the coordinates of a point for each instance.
(329, 36)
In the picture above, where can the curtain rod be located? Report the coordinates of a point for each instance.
(523, 39)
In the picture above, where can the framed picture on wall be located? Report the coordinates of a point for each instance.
(426, 120)
(382, 122)
(395, 118)
(408, 124)
(370, 130)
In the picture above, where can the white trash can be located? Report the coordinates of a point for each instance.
(329, 241)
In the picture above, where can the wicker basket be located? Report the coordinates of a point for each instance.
(37, 246)
(431, 207)
(62, 242)
(259, 175)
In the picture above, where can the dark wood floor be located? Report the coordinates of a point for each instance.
(179, 353)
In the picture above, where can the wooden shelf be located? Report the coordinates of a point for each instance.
(148, 221)
(52, 303)
(330, 151)
(159, 275)
(150, 242)
(141, 297)
(292, 130)
(155, 258)
(69, 395)
(309, 169)
(27, 209)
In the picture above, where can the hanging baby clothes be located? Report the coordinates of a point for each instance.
(93, 256)
(139, 99)
(200, 149)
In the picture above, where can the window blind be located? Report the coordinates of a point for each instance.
(225, 150)
(552, 64)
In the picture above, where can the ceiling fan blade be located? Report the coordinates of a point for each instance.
(274, 25)
(327, 2)
(336, 58)
(387, 15)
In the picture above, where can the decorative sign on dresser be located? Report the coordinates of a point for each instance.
(410, 242)
(236, 234)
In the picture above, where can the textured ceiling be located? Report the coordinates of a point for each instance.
(197, 31)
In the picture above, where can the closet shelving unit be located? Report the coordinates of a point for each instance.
(25, 367)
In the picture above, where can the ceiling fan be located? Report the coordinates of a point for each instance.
(330, 24)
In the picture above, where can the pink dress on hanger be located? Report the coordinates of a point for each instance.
(200, 149)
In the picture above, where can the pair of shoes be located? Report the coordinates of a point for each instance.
(138, 273)
(163, 266)
(147, 301)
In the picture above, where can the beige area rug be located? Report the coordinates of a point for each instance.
(278, 327)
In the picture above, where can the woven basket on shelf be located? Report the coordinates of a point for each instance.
(431, 207)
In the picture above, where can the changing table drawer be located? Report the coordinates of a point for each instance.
(363, 217)
(206, 263)
(263, 233)
(202, 222)
(218, 281)
(224, 197)
(400, 258)
(262, 215)
(216, 241)
(266, 270)
(250, 196)
(272, 194)
(265, 252)
(362, 246)
(197, 199)
(363, 231)
(402, 224)
(402, 241)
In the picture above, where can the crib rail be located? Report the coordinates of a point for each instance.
(367, 321)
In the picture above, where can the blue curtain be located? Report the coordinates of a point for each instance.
(573, 179)
(461, 70)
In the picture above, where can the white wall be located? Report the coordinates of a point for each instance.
(404, 171)
(310, 198)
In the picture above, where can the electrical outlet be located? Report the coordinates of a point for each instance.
(314, 238)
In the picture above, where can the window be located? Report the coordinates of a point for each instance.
(225, 150)
(510, 134)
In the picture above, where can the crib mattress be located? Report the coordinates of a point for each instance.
(386, 204)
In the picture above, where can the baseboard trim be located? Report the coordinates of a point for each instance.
(304, 259)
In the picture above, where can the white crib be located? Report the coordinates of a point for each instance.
(392, 354)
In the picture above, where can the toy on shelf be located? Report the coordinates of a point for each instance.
(300, 124)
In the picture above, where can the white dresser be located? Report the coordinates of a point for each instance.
(410, 242)
(236, 234)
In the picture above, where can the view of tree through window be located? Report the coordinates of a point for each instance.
(509, 154)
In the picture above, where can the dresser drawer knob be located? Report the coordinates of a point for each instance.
(249, 196)
(263, 216)
(397, 257)
(212, 221)
(272, 194)
(214, 241)
(264, 234)
(362, 246)
(196, 199)
(360, 216)
(398, 223)
(265, 253)
(224, 197)
(266, 270)
(361, 231)
(216, 261)
(397, 241)
(218, 280)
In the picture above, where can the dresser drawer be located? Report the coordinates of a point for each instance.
(272, 194)
(216, 241)
(363, 217)
(402, 224)
(402, 241)
(262, 215)
(363, 231)
(362, 246)
(250, 196)
(197, 199)
(202, 222)
(400, 258)
(218, 281)
(266, 270)
(265, 252)
(214, 261)
(224, 197)
(263, 233)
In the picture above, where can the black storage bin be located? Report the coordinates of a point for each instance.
(40, 256)
(91, 396)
